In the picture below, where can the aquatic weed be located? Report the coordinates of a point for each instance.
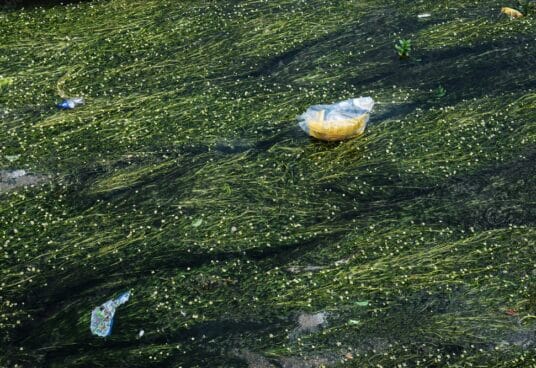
(403, 48)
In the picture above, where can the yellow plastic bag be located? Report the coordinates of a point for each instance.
(512, 13)
(339, 121)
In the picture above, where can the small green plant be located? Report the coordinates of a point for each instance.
(403, 48)
(440, 92)
(5, 82)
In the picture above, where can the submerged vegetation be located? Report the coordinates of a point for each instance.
(526, 7)
(185, 179)
(403, 48)
(440, 92)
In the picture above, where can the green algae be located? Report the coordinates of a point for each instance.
(190, 119)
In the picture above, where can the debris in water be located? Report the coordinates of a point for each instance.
(309, 322)
(12, 158)
(511, 312)
(141, 333)
(299, 269)
(197, 223)
(102, 317)
(338, 121)
(353, 322)
(15, 174)
(424, 15)
(70, 103)
(363, 303)
(12, 179)
(512, 13)
(341, 262)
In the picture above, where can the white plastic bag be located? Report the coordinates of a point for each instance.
(102, 317)
(339, 121)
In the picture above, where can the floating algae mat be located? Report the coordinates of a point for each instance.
(186, 178)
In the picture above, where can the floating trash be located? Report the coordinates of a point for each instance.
(197, 223)
(15, 174)
(102, 317)
(339, 121)
(299, 269)
(19, 178)
(424, 15)
(12, 158)
(70, 103)
(512, 13)
(309, 322)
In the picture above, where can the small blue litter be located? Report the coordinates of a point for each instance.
(70, 103)
(102, 317)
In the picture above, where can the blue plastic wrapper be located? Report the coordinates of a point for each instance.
(70, 103)
(102, 317)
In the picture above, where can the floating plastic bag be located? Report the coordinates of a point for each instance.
(12, 158)
(424, 15)
(512, 13)
(15, 174)
(13, 179)
(339, 121)
(70, 103)
(102, 317)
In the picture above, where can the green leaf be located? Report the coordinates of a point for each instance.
(4, 82)
(363, 303)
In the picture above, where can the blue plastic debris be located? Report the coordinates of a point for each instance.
(102, 317)
(70, 103)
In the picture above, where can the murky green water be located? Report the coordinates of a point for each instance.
(185, 179)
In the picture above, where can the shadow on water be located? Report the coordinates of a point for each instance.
(68, 287)
(172, 259)
(203, 331)
(488, 199)
(500, 66)
(465, 72)
(18, 4)
(377, 25)
(383, 112)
